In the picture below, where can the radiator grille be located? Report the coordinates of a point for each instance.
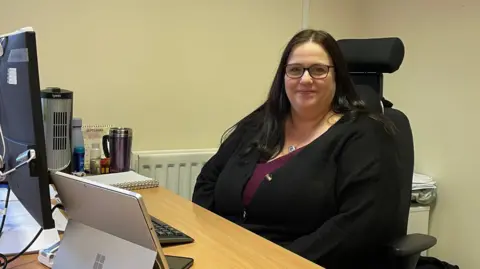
(176, 170)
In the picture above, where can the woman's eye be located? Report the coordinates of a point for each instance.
(294, 69)
(319, 70)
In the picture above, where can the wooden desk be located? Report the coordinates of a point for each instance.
(218, 242)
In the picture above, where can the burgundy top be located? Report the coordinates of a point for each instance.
(261, 170)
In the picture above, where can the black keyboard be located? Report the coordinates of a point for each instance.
(167, 235)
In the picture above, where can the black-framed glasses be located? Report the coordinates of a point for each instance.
(317, 71)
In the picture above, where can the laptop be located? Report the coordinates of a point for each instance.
(108, 228)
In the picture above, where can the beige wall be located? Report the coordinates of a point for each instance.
(437, 87)
(178, 72)
(341, 18)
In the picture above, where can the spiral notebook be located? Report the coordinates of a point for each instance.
(126, 180)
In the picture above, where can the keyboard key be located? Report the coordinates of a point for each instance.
(169, 235)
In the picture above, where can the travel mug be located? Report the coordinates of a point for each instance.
(117, 146)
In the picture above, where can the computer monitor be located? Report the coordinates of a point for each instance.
(21, 121)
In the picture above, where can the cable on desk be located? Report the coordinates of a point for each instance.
(5, 210)
(3, 261)
(3, 258)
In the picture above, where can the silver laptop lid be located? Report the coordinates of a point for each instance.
(112, 210)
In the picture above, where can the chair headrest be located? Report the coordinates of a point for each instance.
(377, 55)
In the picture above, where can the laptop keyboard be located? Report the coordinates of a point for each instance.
(168, 235)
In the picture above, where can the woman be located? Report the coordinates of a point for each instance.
(311, 168)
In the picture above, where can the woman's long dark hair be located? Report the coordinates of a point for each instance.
(269, 119)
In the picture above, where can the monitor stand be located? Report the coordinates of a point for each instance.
(19, 230)
(85, 247)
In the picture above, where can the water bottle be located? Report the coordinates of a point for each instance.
(79, 160)
(77, 136)
(78, 146)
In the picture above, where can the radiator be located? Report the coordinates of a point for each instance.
(176, 170)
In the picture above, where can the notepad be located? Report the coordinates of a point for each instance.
(423, 182)
(126, 180)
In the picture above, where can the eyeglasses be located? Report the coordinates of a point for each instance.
(317, 71)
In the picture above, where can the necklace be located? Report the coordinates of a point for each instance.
(292, 148)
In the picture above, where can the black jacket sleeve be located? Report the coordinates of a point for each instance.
(203, 193)
(365, 192)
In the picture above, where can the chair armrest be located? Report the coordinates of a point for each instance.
(412, 244)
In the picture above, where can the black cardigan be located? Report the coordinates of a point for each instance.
(333, 203)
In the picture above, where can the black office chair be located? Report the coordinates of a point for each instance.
(368, 60)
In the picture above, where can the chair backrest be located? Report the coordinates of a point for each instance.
(370, 97)
(368, 60)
